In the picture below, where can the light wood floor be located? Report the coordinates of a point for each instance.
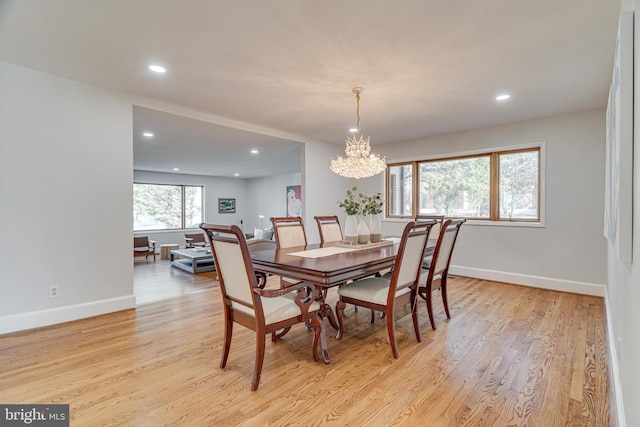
(510, 356)
(156, 281)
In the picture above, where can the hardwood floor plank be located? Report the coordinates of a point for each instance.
(510, 356)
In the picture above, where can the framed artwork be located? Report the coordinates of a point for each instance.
(618, 214)
(294, 200)
(226, 205)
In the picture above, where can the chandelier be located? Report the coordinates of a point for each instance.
(359, 163)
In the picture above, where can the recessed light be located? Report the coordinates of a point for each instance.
(157, 68)
(353, 130)
(503, 97)
(236, 174)
(254, 151)
(176, 169)
(148, 134)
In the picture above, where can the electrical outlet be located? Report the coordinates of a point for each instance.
(53, 292)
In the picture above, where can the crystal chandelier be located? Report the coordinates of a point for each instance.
(359, 163)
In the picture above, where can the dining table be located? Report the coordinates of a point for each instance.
(330, 264)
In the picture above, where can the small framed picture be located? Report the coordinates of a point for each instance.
(226, 205)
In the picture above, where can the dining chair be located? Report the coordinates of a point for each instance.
(143, 246)
(435, 231)
(289, 231)
(384, 294)
(329, 228)
(261, 310)
(436, 277)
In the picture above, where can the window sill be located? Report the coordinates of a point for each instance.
(481, 222)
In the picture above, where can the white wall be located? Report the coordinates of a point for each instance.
(267, 196)
(569, 252)
(623, 291)
(65, 176)
(322, 189)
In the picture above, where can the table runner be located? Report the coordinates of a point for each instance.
(321, 252)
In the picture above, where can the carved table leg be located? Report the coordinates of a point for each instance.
(325, 309)
(340, 306)
(317, 324)
(327, 312)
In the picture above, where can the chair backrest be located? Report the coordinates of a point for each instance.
(444, 248)
(329, 228)
(289, 231)
(233, 264)
(140, 241)
(260, 244)
(196, 238)
(407, 268)
(435, 230)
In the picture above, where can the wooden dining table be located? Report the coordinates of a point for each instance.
(318, 264)
(325, 265)
(329, 264)
(333, 266)
(329, 269)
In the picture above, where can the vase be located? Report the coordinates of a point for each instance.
(351, 229)
(375, 228)
(363, 231)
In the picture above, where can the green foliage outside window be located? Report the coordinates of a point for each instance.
(165, 207)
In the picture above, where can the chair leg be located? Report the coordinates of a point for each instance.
(260, 343)
(228, 332)
(391, 329)
(414, 315)
(430, 308)
(373, 315)
(340, 306)
(443, 290)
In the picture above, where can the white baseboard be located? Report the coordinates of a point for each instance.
(52, 316)
(533, 281)
(615, 394)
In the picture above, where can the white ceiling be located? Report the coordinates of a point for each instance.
(428, 67)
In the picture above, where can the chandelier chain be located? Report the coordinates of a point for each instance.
(358, 110)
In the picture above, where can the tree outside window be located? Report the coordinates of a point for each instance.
(166, 207)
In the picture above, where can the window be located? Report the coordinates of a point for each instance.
(165, 207)
(519, 185)
(399, 189)
(495, 186)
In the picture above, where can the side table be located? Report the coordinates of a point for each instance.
(165, 250)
